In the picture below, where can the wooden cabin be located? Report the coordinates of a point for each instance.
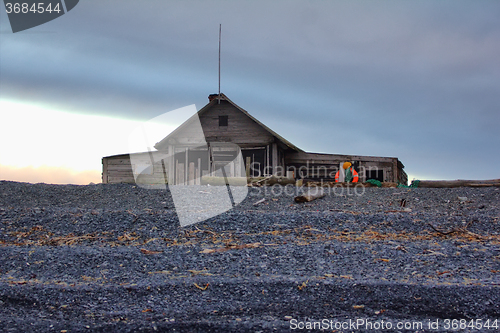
(223, 136)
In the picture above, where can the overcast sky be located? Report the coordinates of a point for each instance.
(418, 80)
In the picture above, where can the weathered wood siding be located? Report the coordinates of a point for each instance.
(241, 129)
(324, 166)
(119, 169)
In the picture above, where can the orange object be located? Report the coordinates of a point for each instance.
(355, 176)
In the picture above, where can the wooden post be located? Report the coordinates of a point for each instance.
(237, 165)
(275, 158)
(181, 175)
(171, 165)
(247, 166)
(209, 160)
(186, 166)
(283, 161)
(176, 172)
(191, 173)
(266, 166)
(395, 170)
(198, 172)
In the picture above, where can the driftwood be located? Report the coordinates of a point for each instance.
(259, 202)
(257, 182)
(221, 181)
(273, 180)
(384, 184)
(457, 230)
(458, 183)
(343, 184)
(310, 195)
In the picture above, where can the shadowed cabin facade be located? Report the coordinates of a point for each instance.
(223, 134)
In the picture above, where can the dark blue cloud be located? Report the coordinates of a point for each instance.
(417, 80)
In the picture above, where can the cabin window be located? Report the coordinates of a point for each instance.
(375, 174)
(223, 120)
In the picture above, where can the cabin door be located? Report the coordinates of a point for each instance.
(225, 156)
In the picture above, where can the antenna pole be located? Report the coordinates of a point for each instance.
(220, 29)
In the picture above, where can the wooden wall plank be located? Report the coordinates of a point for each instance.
(119, 167)
(119, 162)
(121, 179)
(104, 170)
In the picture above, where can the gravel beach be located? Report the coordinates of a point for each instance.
(113, 258)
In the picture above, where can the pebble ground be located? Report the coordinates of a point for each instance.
(113, 258)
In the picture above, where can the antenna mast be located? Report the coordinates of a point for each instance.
(220, 29)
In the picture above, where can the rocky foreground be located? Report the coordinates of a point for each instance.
(113, 258)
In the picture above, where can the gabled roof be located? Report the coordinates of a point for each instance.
(207, 107)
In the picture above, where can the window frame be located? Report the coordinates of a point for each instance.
(223, 121)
